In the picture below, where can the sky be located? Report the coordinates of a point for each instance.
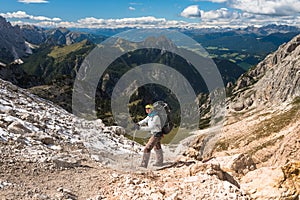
(151, 13)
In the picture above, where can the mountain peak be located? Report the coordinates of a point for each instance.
(161, 42)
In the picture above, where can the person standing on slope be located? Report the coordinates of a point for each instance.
(152, 123)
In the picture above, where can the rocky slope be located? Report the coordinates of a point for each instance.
(263, 123)
(47, 153)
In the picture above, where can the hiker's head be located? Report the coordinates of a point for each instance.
(148, 108)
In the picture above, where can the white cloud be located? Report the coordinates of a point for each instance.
(242, 21)
(250, 19)
(263, 7)
(248, 13)
(131, 8)
(33, 1)
(24, 15)
(214, 18)
(149, 21)
(267, 7)
(192, 11)
(222, 13)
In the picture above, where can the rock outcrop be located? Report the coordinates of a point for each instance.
(34, 35)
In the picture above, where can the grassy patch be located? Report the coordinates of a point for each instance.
(296, 101)
(278, 122)
(222, 145)
(59, 52)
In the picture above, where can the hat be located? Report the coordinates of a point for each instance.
(149, 106)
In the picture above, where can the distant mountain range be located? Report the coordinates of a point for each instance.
(18, 41)
(263, 31)
(50, 58)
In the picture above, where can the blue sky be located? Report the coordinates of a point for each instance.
(151, 13)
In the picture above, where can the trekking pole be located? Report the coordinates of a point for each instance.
(132, 147)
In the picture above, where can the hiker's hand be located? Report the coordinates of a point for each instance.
(136, 127)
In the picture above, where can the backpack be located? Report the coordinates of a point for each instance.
(164, 112)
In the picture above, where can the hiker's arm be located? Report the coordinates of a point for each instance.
(144, 121)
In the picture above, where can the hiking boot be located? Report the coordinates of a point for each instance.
(158, 164)
(159, 158)
(145, 160)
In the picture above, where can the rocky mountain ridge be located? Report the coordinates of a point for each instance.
(275, 80)
(19, 41)
(262, 122)
(12, 45)
(263, 30)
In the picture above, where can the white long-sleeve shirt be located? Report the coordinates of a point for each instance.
(152, 124)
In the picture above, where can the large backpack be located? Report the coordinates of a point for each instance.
(164, 112)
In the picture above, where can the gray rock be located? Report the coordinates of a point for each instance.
(238, 106)
(18, 128)
(65, 161)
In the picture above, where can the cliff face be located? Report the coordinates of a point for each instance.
(274, 81)
(12, 43)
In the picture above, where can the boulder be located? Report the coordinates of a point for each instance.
(263, 183)
(237, 164)
(291, 173)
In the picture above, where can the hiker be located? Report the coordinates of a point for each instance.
(152, 123)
